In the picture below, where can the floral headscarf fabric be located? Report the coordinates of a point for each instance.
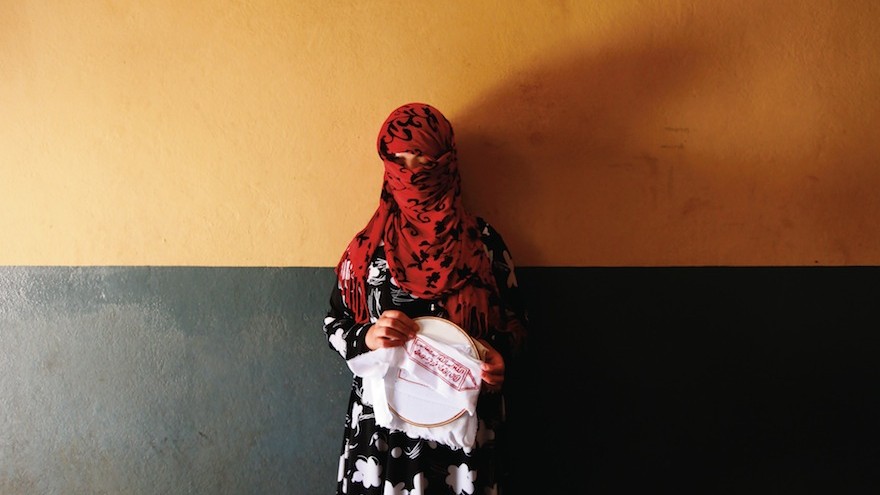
(432, 243)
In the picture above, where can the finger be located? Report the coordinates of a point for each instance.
(398, 321)
(494, 363)
(493, 360)
(492, 377)
(395, 325)
(490, 370)
(385, 338)
(394, 314)
(380, 335)
(390, 333)
(394, 329)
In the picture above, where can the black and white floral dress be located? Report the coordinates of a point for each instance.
(374, 460)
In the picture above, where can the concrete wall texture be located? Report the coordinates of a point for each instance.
(179, 178)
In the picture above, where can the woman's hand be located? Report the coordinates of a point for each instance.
(392, 329)
(492, 368)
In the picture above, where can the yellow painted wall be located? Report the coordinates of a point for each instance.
(591, 133)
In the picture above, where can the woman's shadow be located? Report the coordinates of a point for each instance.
(549, 153)
(548, 157)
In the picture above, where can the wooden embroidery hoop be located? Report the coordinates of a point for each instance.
(445, 331)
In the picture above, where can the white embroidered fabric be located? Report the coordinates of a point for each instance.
(427, 388)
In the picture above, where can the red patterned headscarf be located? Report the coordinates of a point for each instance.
(432, 243)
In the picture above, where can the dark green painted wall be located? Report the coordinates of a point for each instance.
(705, 380)
(219, 380)
(167, 380)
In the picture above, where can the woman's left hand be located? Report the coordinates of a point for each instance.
(492, 368)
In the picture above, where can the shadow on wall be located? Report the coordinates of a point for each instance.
(556, 143)
(700, 149)
(726, 380)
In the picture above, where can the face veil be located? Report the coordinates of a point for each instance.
(432, 243)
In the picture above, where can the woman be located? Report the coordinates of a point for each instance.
(423, 254)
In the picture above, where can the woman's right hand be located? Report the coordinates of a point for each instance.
(392, 329)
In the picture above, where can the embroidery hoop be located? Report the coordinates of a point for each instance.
(431, 415)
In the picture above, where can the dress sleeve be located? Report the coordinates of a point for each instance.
(344, 335)
(510, 340)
